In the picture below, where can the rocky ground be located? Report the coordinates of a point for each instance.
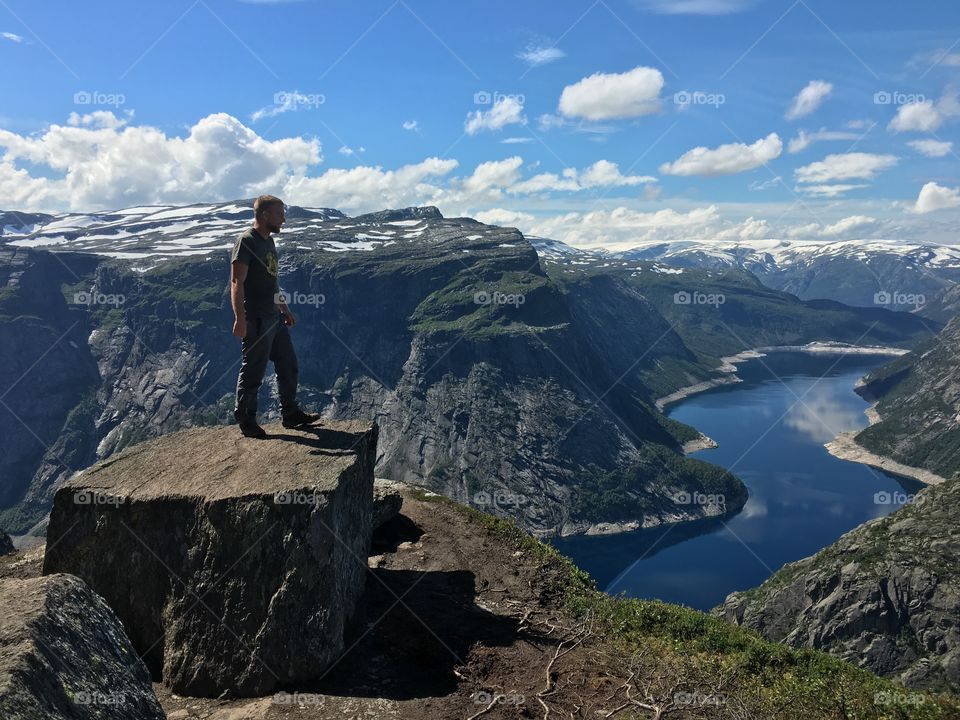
(465, 618)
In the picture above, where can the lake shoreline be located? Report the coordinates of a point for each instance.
(729, 364)
(845, 447)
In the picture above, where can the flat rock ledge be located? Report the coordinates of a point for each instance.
(64, 655)
(234, 564)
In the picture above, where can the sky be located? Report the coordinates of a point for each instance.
(606, 123)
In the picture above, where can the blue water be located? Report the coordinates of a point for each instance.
(770, 430)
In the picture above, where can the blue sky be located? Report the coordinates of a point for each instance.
(580, 120)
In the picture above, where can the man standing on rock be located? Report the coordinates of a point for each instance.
(263, 320)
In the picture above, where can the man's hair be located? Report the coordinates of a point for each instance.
(263, 203)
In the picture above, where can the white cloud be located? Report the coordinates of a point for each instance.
(285, 101)
(346, 150)
(932, 148)
(926, 115)
(606, 96)
(516, 140)
(412, 125)
(845, 166)
(366, 188)
(766, 184)
(506, 110)
(936, 197)
(98, 161)
(506, 218)
(917, 117)
(12, 37)
(831, 190)
(809, 99)
(725, 159)
(803, 140)
(602, 173)
(535, 55)
(848, 225)
(494, 175)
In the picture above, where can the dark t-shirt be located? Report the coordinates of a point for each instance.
(260, 287)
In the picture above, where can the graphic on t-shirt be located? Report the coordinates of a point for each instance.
(271, 260)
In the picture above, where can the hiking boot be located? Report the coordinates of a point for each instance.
(251, 429)
(299, 418)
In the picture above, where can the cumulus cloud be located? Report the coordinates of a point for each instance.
(845, 166)
(99, 161)
(412, 125)
(932, 148)
(916, 117)
(607, 96)
(926, 115)
(809, 99)
(367, 188)
(725, 159)
(602, 173)
(506, 110)
(848, 225)
(936, 197)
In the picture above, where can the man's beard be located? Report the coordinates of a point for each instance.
(273, 228)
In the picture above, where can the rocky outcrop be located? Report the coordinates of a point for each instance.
(387, 501)
(64, 656)
(6, 544)
(885, 596)
(235, 564)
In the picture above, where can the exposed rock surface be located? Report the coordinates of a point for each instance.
(234, 564)
(387, 501)
(64, 655)
(885, 596)
(6, 544)
(488, 367)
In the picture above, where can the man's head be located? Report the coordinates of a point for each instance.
(268, 213)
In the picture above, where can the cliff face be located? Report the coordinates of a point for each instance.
(918, 403)
(496, 378)
(886, 596)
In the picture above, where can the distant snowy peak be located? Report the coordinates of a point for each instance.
(151, 234)
(764, 255)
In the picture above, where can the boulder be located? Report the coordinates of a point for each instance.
(235, 564)
(387, 500)
(6, 544)
(64, 655)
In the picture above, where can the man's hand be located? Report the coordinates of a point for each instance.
(288, 319)
(240, 327)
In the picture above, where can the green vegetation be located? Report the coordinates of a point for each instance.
(768, 679)
(624, 493)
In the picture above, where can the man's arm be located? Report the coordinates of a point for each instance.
(238, 273)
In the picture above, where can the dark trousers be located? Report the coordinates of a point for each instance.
(267, 339)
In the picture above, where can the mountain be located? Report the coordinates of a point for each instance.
(876, 273)
(497, 374)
